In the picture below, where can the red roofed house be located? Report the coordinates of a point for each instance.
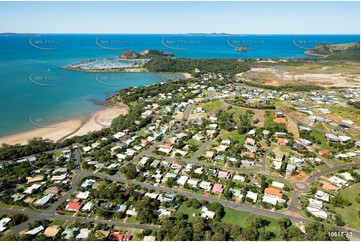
(282, 141)
(217, 188)
(115, 236)
(73, 206)
(274, 192)
(324, 152)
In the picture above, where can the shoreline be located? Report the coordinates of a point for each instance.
(73, 127)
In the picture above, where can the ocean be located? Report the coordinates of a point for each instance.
(32, 84)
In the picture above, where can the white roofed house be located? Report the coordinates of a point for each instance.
(182, 180)
(322, 196)
(253, 196)
(207, 186)
(332, 138)
(317, 212)
(315, 203)
(347, 176)
(278, 184)
(344, 139)
(193, 183)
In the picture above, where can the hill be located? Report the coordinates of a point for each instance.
(349, 51)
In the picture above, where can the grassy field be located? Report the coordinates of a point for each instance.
(348, 112)
(212, 105)
(320, 137)
(233, 135)
(242, 219)
(350, 214)
(195, 142)
(189, 211)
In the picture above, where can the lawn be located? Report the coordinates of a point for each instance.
(142, 134)
(350, 214)
(242, 219)
(348, 112)
(233, 135)
(195, 142)
(189, 211)
(212, 105)
(320, 137)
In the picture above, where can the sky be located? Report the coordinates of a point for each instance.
(181, 17)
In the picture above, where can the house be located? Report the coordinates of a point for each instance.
(344, 139)
(36, 230)
(323, 152)
(253, 196)
(149, 238)
(69, 232)
(290, 168)
(277, 184)
(182, 180)
(73, 206)
(37, 178)
(88, 183)
(87, 149)
(83, 195)
(270, 199)
(116, 236)
(52, 231)
(315, 203)
(45, 199)
(83, 234)
(163, 212)
(131, 212)
(88, 206)
(224, 174)
(18, 197)
(273, 192)
(3, 223)
(332, 138)
(256, 182)
(305, 142)
(217, 188)
(328, 186)
(277, 165)
(192, 182)
(347, 176)
(250, 141)
(209, 155)
(337, 181)
(265, 133)
(207, 186)
(32, 188)
(248, 154)
(207, 214)
(282, 141)
(317, 212)
(239, 178)
(322, 196)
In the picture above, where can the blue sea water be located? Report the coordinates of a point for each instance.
(32, 84)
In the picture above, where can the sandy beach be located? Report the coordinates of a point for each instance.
(187, 75)
(73, 127)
